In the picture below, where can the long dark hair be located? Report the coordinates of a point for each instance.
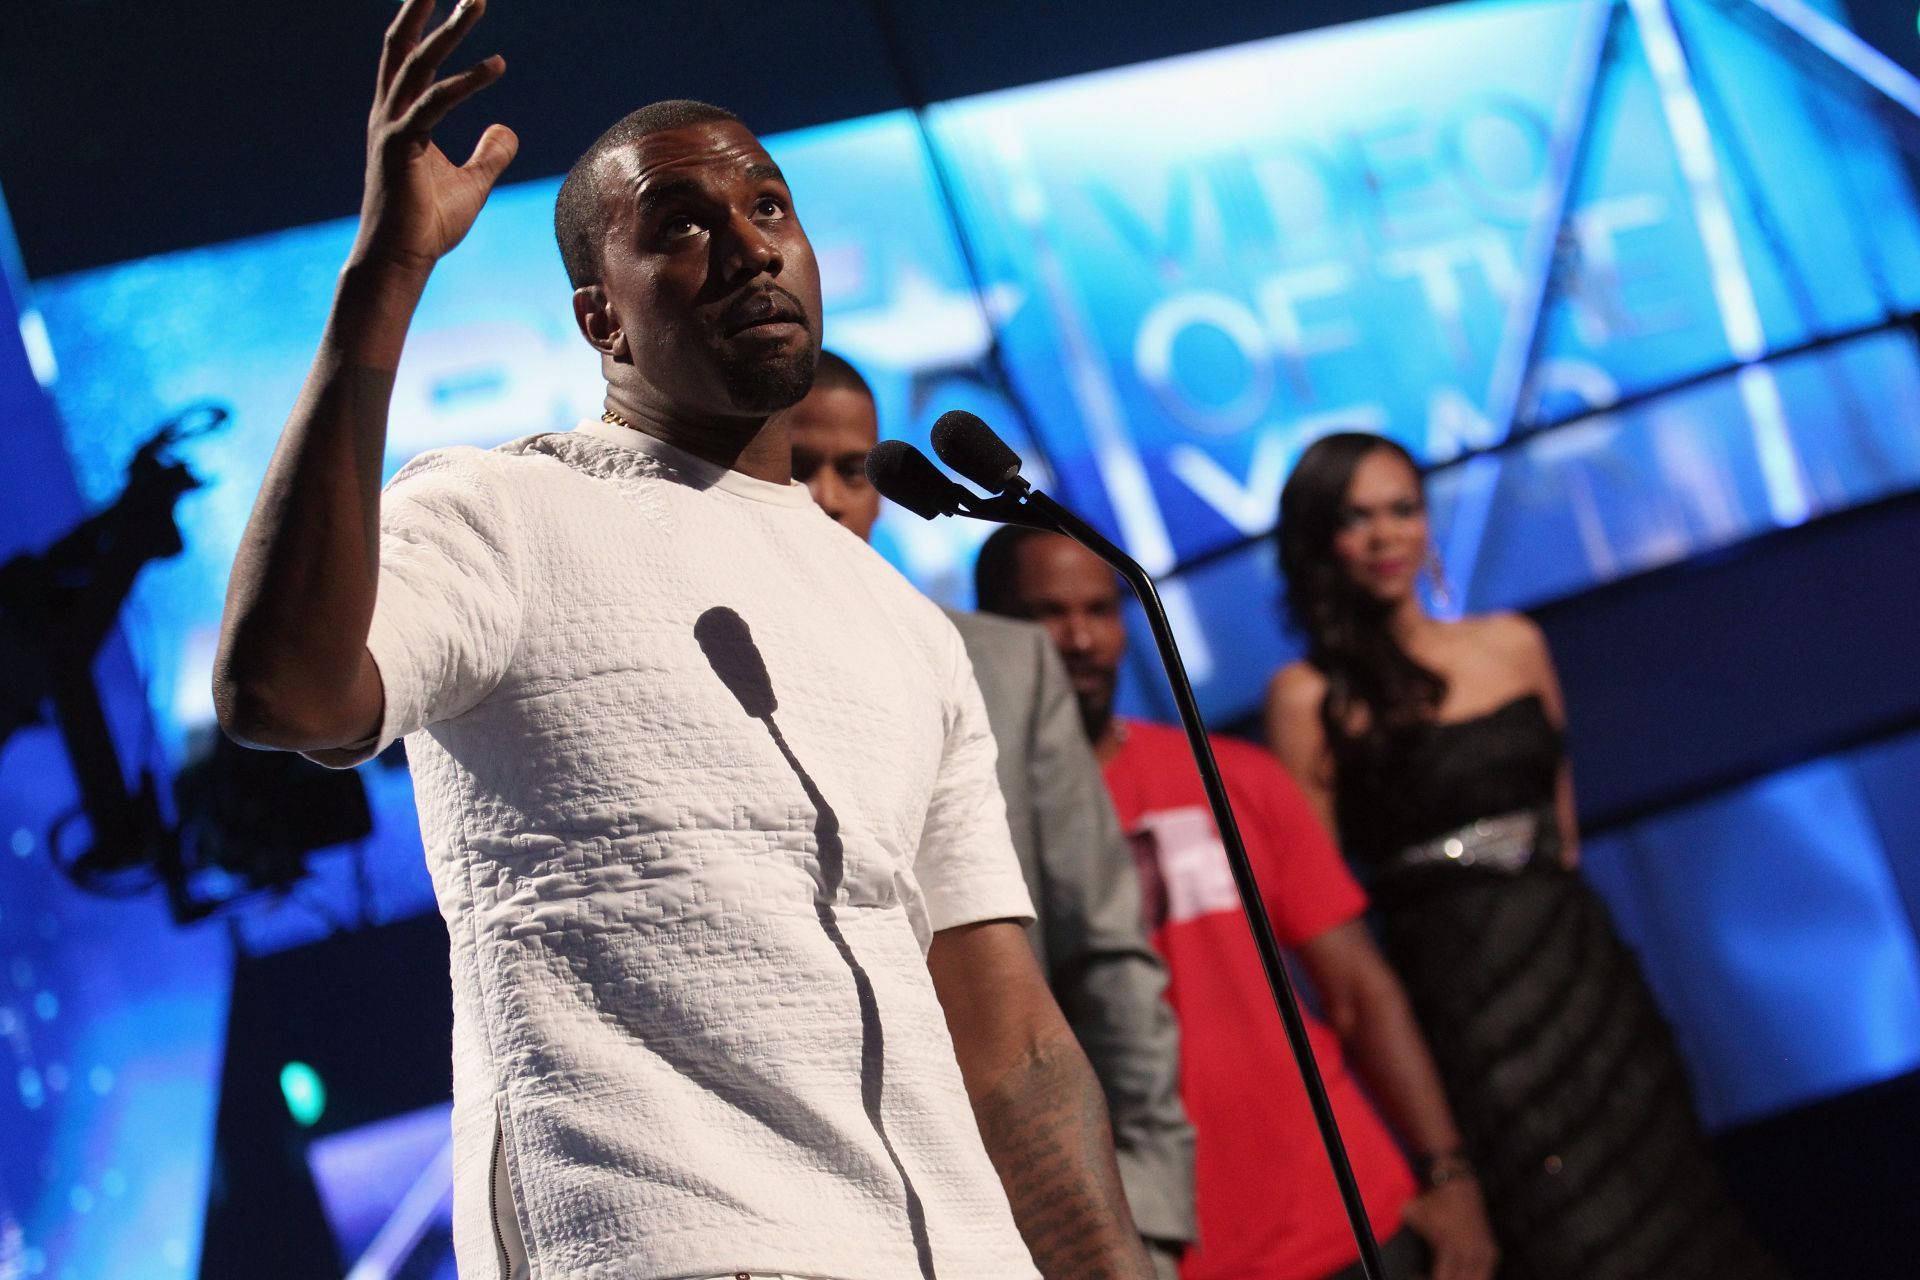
(1370, 678)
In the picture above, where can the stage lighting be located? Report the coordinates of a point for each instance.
(305, 1092)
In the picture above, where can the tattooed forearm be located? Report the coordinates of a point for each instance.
(1046, 1129)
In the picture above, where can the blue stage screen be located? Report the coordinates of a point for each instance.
(1175, 275)
(1771, 923)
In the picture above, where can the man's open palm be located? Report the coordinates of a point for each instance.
(419, 204)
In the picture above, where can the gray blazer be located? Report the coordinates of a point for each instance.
(1088, 933)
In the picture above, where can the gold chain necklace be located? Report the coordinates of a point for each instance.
(613, 419)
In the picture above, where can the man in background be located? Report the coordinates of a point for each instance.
(1088, 932)
(1268, 1205)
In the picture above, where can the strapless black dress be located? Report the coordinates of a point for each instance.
(1560, 1070)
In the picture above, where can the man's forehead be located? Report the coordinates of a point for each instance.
(834, 438)
(1057, 565)
(718, 145)
(834, 418)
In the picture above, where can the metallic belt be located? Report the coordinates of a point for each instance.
(1503, 843)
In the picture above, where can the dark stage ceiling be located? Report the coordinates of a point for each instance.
(133, 128)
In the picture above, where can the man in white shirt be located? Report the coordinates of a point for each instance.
(707, 791)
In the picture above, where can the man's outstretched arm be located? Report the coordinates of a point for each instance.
(1037, 1103)
(293, 670)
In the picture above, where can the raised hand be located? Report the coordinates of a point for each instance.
(418, 204)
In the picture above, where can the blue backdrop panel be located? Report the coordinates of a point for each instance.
(1704, 674)
(1886, 772)
(1822, 253)
(1632, 489)
(1775, 934)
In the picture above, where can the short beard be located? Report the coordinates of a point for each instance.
(766, 386)
(1096, 716)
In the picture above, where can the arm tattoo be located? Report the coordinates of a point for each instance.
(1046, 1130)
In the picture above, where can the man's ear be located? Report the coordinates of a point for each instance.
(599, 323)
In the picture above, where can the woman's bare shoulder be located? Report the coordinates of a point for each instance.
(1515, 632)
(1298, 687)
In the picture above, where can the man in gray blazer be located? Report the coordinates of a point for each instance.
(1088, 932)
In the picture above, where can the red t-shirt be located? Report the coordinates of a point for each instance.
(1268, 1205)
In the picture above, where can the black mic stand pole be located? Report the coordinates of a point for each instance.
(1035, 510)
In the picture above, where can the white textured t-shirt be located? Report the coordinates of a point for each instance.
(699, 777)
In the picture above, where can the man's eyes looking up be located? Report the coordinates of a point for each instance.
(679, 226)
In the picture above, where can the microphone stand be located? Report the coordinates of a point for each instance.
(1033, 509)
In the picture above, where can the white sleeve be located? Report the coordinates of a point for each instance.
(966, 865)
(446, 615)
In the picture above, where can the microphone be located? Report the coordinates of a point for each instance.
(902, 474)
(970, 447)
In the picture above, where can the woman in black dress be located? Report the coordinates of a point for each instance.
(1434, 749)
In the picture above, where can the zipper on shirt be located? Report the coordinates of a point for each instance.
(509, 1248)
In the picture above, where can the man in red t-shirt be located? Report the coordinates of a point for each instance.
(1268, 1205)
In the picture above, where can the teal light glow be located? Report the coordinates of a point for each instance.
(306, 1096)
